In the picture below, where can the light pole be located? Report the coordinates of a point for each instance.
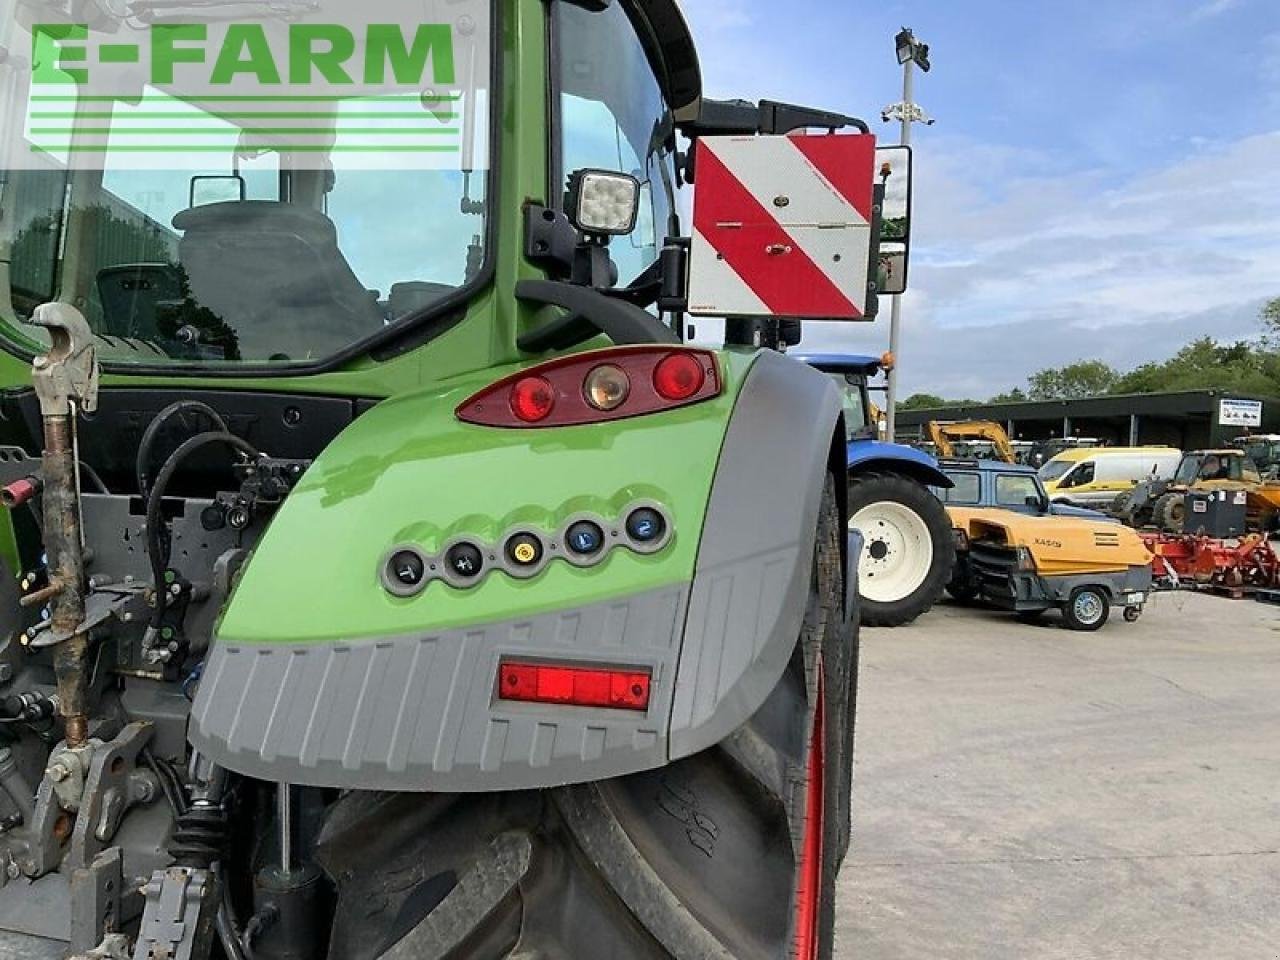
(911, 53)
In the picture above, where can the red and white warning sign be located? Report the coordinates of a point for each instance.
(782, 226)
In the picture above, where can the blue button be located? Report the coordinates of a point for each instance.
(584, 538)
(646, 525)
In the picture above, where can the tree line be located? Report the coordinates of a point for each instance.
(1245, 366)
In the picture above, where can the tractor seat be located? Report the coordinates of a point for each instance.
(274, 272)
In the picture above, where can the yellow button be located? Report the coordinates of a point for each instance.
(525, 553)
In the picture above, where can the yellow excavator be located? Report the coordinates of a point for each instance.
(945, 436)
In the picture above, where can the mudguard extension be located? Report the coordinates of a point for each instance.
(756, 557)
(416, 709)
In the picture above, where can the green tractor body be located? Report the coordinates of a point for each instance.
(384, 576)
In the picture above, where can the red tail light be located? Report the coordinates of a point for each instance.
(574, 686)
(532, 399)
(678, 377)
(595, 387)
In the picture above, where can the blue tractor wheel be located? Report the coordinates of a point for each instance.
(909, 551)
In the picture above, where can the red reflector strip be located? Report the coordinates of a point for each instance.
(574, 686)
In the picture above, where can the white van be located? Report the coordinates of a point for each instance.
(1094, 477)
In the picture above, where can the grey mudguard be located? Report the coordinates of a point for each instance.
(420, 712)
(751, 583)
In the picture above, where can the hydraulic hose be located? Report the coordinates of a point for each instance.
(224, 923)
(153, 430)
(156, 549)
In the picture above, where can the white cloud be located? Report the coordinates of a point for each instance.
(1213, 8)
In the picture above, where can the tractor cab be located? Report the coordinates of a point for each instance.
(1202, 468)
(237, 198)
(852, 374)
(1263, 450)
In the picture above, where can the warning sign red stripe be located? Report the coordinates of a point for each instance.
(767, 258)
(832, 157)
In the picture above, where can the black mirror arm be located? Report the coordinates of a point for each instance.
(589, 311)
(644, 290)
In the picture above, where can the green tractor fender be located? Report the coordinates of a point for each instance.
(322, 674)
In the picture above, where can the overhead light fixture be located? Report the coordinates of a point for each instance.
(911, 50)
(905, 43)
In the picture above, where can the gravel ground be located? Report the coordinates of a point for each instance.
(1024, 792)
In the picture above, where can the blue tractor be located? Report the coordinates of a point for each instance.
(908, 549)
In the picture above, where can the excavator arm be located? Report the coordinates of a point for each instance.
(944, 436)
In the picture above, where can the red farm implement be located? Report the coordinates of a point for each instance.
(1195, 561)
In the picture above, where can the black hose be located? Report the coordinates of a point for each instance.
(156, 549)
(153, 430)
(224, 920)
(168, 783)
(224, 923)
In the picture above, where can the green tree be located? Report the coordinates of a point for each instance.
(921, 401)
(1016, 395)
(1206, 364)
(1270, 316)
(1075, 381)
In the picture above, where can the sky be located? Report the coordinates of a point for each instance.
(1102, 180)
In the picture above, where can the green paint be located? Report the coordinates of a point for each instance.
(486, 338)
(220, 148)
(171, 45)
(432, 41)
(48, 53)
(409, 472)
(118, 53)
(300, 131)
(245, 50)
(254, 115)
(247, 98)
(304, 58)
(10, 558)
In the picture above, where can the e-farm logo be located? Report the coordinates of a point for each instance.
(187, 92)
(316, 53)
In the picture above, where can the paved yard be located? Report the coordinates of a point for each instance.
(1024, 792)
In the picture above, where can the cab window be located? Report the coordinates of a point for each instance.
(854, 402)
(1013, 490)
(1054, 470)
(612, 116)
(1081, 475)
(967, 489)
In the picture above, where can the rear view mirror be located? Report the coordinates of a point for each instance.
(893, 182)
(891, 270)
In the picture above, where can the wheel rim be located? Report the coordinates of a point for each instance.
(1087, 607)
(809, 871)
(897, 553)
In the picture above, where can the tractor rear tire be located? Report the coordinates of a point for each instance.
(908, 550)
(726, 855)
